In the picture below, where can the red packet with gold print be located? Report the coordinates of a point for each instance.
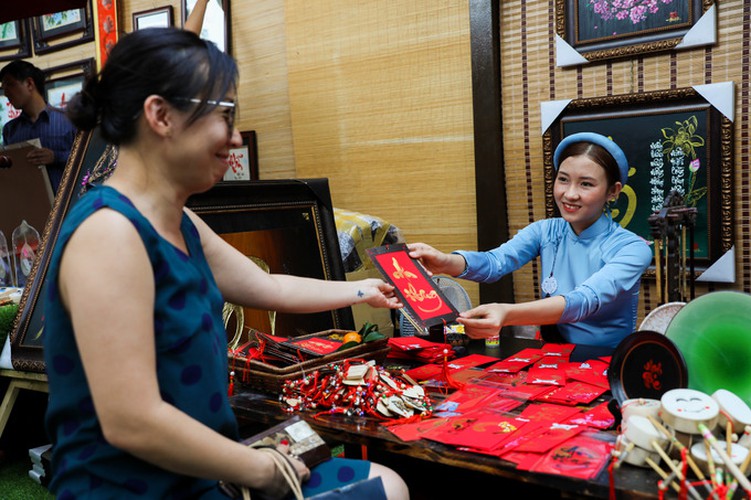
(593, 372)
(574, 393)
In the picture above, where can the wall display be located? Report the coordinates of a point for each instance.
(90, 155)
(674, 140)
(243, 161)
(286, 227)
(52, 32)
(160, 17)
(15, 42)
(65, 81)
(593, 30)
(216, 22)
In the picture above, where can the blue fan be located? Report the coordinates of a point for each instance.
(455, 294)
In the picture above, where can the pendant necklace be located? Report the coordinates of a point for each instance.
(550, 284)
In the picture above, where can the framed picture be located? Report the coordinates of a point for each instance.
(284, 226)
(7, 113)
(15, 42)
(424, 302)
(243, 161)
(90, 158)
(65, 81)
(155, 18)
(56, 31)
(606, 29)
(216, 22)
(674, 140)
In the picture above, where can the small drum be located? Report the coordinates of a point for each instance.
(640, 431)
(732, 409)
(699, 454)
(635, 455)
(644, 407)
(685, 409)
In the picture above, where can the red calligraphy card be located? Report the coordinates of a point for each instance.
(423, 300)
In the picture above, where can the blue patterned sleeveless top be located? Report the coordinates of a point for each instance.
(190, 342)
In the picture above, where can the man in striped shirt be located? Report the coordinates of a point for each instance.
(23, 85)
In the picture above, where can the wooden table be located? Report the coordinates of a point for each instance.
(444, 464)
(19, 380)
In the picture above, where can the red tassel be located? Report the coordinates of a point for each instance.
(231, 390)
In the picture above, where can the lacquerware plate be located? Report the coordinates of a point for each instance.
(659, 318)
(646, 364)
(713, 332)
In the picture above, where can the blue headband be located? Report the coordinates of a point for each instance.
(609, 145)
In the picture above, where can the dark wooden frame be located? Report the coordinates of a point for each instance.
(43, 39)
(227, 22)
(629, 43)
(167, 9)
(26, 338)
(249, 148)
(77, 71)
(717, 166)
(289, 224)
(22, 42)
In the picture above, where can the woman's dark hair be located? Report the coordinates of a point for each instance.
(597, 154)
(169, 62)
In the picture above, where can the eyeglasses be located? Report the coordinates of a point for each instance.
(230, 107)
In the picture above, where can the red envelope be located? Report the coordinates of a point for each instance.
(466, 399)
(484, 432)
(416, 430)
(523, 461)
(410, 343)
(574, 393)
(581, 457)
(424, 372)
(546, 439)
(559, 350)
(470, 361)
(598, 417)
(548, 412)
(593, 372)
(516, 362)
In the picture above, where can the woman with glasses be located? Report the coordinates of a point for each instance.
(591, 266)
(135, 345)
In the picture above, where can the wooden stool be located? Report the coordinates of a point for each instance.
(21, 380)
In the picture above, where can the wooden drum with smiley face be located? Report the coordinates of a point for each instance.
(685, 409)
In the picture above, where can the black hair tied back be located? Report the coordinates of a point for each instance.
(83, 109)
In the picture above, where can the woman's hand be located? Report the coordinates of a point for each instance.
(484, 321)
(435, 261)
(378, 293)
